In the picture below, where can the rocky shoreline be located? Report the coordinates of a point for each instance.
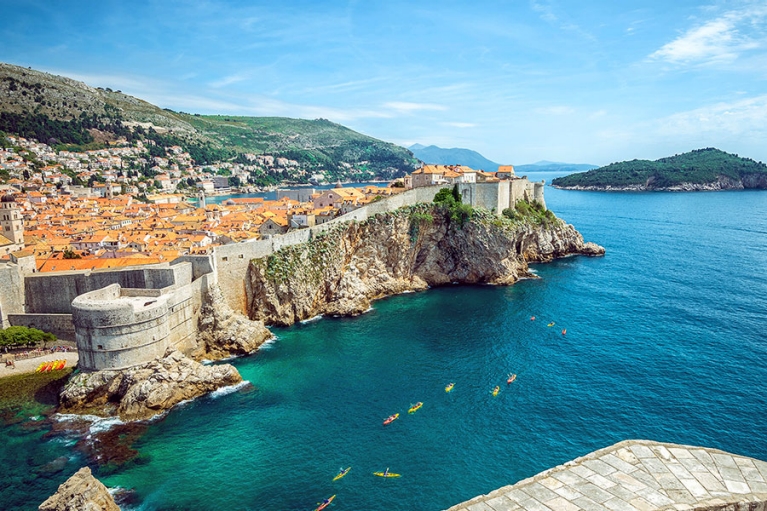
(748, 182)
(411, 249)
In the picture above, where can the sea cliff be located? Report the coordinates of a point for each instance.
(341, 271)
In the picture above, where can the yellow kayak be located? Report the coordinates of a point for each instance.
(415, 407)
(496, 390)
(342, 473)
(449, 387)
(386, 473)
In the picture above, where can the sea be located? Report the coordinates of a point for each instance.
(664, 340)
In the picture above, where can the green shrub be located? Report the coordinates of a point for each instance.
(17, 336)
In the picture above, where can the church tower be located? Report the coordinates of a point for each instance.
(11, 223)
(201, 199)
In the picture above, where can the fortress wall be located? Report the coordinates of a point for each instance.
(11, 293)
(115, 331)
(52, 293)
(184, 306)
(232, 261)
(201, 264)
(59, 325)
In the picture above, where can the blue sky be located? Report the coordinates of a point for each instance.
(517, 80)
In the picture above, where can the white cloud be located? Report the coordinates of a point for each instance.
(460, 124)
(555, 110)
(228, 80)
(406, 107)
(722, 39)
(746, 117)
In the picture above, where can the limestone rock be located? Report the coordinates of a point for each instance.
(81, 492)
(343, 270)
(146, 390)
(224, 332)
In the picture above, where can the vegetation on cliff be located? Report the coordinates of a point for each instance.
(699, 167)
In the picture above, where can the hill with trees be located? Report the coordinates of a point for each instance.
(453, 156)
(71, 115)
(701, 169)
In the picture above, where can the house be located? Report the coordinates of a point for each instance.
(505, 172)
(274, 225)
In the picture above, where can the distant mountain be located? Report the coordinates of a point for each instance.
(62, 111)
(702, 169)
(552, 166)
(454, 156)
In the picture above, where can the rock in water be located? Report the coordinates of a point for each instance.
(81, 492)
(145, 390)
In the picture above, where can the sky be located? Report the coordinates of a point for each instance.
(517, 80)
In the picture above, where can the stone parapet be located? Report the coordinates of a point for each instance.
(638, 475)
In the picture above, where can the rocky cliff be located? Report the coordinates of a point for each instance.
(146, 390)
(413, 248)
(81, 492)
(223, 332)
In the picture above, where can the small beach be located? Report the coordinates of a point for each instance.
(28, 365)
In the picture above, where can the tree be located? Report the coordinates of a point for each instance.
(234, 182)
(71, 254)
(17, 336)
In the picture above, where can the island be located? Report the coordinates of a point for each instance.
(701, 169)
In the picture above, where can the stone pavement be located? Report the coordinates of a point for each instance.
(638, 475)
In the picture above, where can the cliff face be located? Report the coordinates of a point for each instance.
(342, 271)
(80, 492)
(223, 332)
(145, 390)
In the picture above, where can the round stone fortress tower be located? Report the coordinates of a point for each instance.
(114, 330)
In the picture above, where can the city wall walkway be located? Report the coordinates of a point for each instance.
(638, 475)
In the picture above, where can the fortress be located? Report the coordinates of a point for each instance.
(125, 317)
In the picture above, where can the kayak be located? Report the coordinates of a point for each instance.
(390, 419)
(325, 503)
(512, 377)
(386, 473)
(449, 387)
(415, 407)
(496, 390)
(342, 473)
(551, 324)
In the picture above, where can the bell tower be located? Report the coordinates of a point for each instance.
(11, 223)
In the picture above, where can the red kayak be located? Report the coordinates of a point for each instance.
(390, 419)
(512, 377)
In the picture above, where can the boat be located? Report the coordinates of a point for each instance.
(532, 318)
(551, 324)
(449, 387)
(325, 503)
(511, 378)
(342, 473)
(386, 473)
(390, 419)
(564, 331)
(414, 408)
(496, 390)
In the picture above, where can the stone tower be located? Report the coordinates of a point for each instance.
(11, 223)
(201, 199)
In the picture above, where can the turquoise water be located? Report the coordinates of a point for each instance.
(665, 341)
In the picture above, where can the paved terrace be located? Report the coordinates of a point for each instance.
(638, 475)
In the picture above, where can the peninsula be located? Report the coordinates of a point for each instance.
(702, 169)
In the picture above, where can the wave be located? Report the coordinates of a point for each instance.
(223, 391)
(97, 424)
(315, 318)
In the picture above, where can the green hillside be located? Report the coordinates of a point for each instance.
(69, 114)
(698, 167)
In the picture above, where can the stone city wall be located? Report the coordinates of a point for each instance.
(11, 293)
(53, 293)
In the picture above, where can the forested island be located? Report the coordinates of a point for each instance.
(701, 169)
